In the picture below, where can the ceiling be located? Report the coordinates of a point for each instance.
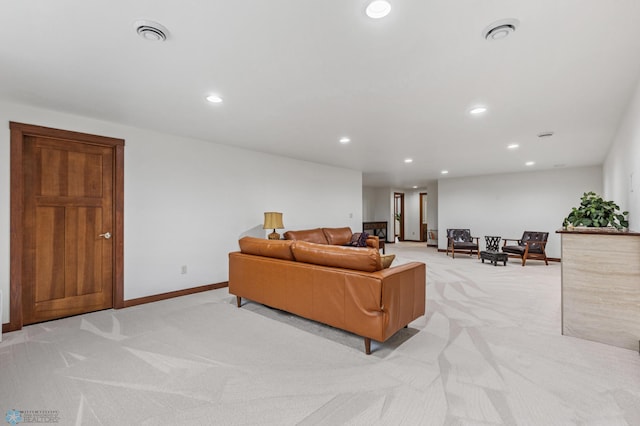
(297, 75)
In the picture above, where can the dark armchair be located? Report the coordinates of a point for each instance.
(460, 240)
(531, 246)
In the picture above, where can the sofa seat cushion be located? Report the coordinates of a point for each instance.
(310, 235)
(360, 259)
(338, 236)
(465, 245)
(279, 249)
(514, 249)
(519, 250)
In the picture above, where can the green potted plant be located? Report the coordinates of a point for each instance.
(593, 211)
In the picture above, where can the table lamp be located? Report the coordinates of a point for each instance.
(273, 220)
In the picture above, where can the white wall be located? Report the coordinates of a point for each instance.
(411, 215)
(621, 169)
(375, 202)
(188, 201)
(432, 207)
(508, 204)
(370, 204)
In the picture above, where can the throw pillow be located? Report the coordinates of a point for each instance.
(358, 239)
(354, 239)
(386, 260)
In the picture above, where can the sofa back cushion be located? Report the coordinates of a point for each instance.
(360, 259)
(338, 236)
(279, 249)
(309, 235)
(459, 235)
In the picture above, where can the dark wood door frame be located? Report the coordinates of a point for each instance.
(400, 196)
(18, 133)
(423, 196)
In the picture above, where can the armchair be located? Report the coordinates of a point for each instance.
(462, 241)
(530, 246)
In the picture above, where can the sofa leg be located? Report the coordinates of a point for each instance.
(238, 301)
(367, 346)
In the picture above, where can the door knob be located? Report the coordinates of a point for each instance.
(106, 235)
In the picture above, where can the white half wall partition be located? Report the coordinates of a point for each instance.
(508, 204)
(188, 201)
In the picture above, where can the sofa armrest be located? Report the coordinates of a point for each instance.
(373, 241)
(511, 239)
(403, 295)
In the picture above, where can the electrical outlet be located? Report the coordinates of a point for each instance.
(183, 269)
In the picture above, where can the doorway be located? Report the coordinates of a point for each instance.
(67, 194)
(398, 216)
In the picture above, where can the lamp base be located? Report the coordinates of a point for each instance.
(274, 235)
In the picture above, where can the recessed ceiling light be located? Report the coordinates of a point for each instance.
(513, 146)
(214, 99)
(529, 163)
(150, 30)
(444, 172)
(408, 160)
(345, 140)
(478, 110)
(415, 187)
(500, 29)
(378, 9)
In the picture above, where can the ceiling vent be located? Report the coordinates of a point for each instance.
(500, 29)
(151, 31)
(545, 134)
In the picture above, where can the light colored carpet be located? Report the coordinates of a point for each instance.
(488, 352)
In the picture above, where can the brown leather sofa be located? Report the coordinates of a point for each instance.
(332, 236)
(344, 287)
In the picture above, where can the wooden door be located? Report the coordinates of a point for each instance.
(68, 223)
(67, 188)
